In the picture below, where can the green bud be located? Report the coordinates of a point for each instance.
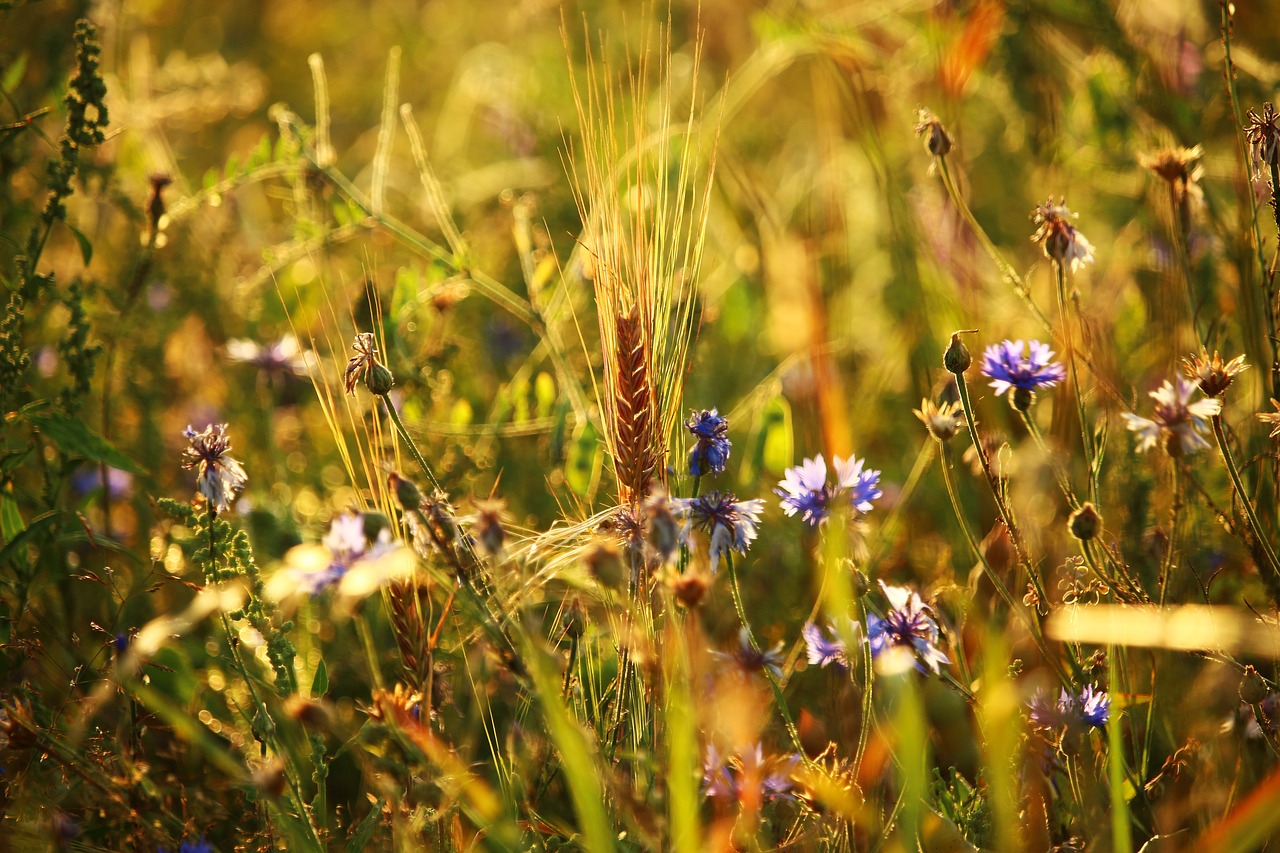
(407, 493)
(957, 359)
(1021, 399)
(379, 380)
(1085, 522)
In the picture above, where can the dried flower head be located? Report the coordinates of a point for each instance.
(1058, 238)
(487, 524)
(711, 452)
(1178, 167)
(365, 365)
(1272, 418)
(1213, 375)
(220, 476)
(943, 422)
(1176, 423)
(1262, 130)
(936, 138)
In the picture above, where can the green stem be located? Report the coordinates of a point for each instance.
(1234, 473)
(1059, 474)
(413, 448)
(370, 650)
(1069, 340)
(1182, 244)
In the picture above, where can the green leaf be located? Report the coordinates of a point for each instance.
(364, 831)
(11, 523)
(10, 551)
(86, 247)
(13, 74)
(74, 438)
(320, 684)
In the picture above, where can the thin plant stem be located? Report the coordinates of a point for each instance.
(1264, 726)
(1059, 474)
(1069, 342)
(1182, 244)
(413, 448)
(1234, 473)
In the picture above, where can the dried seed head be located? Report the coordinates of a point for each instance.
(1058, 238)
(1085, 522)
(1178, 167)
(1272, 418)
(943, 422)
(365, 365)
(1214, 376)
(487, 524)
(604, 560)
(1262, 130)
(936, 138)
(690, 588)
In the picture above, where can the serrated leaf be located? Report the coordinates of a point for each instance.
(74, 438)
(86, 246)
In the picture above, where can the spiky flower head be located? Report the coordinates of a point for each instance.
(1007, 367)
(365, 365)
(729, 523)
(1272, 418)
(487, 524)
(733, 777)
(1092, 708)
(1262, 130)
(936, 139)
(1058, 238)
(1176, 423)
(750, 659)
(804, 488)
(219, 476)
(1213, 375)
(908, 624)
(823, 652)
(710, 453)
(1178, 168)
(943, 422)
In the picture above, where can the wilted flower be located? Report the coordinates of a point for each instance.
(936, 138)
(1272, 418)
(1006, 366)
(804, 488)
(282, 357)
(1091, 708)
(1058, 238)
(1213, 375)
(729, 523)
(711, 452)
(1177, 422)
(1178, 167)
(944, 421)
(907, 624)
(750, 659)
(1262, 130)
(822, 651)
(219, 476)
(365, 365)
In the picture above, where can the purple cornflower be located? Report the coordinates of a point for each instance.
(729, 522)
(1091, 708)
(220, 476)
(907, 624)
(352, 537)
(724, 776)
(750, 659)
(1176, 422)
(711, 453)
(804, 488)
(278, 358)
(1007, 368)
(823, 652)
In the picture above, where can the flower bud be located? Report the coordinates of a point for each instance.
(1253, 689)
(406, 492)
(1021, 399)
(605, 563)
(861, 584)
(378, 380)
(957, 358)
(1085, 522)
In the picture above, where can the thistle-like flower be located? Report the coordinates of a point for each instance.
(1213, 375)
(1178, 167)
(711, 452)
(1176, 423)
(220, 476)
(804, 488)
(726, 776)
(1262, 130)
(943, 422)
(1006, 366)
(1272, 418)
(1058, 238)
(729, 523)
(365, 365)
(823, 652)
(907, 624)
(1091, 708)
(749, 659)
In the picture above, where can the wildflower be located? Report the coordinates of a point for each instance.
(1177, 422)
(1272, 418)
(729, 522)
(487, 524)
(1091, 708)
(908, 624)
(662, 531)
(804, 488)
(711, 452)
(750, 659)
(937, 140)
(1213, 376)
(1177, 166)
(1058, 238)
(401, 705)
(1263, 135)
(280, 358)
(823, 652)
(365, 365)
(943, 422)
(353, 538)
(201, 846)
(1006, 366)
(724, 776)
(957, 358)
(220, 476)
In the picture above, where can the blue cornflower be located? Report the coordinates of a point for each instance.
(907, 624)
(200, 846)
(711, 453)
(749, 659)
(804, 488)
(729, 522)
(352, 537)
(823, 652)
(220, 476)
(1092, 708)
(724, 776)
(1007, 368)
